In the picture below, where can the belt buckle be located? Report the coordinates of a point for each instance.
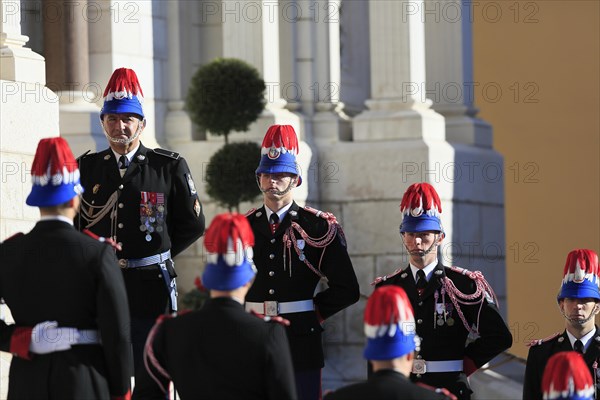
(123, 263)
(271, 308)
(419, 366)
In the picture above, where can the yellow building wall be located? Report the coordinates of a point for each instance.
(536, 67)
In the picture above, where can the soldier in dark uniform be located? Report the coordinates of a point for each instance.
(304, 271)
(579, 303)
(457, 317)
(566, 377)
(145, 200)
(70, 339)
(221, 351)
(391, 342)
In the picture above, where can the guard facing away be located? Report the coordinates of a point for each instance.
(455, 309)
(70, 339)
(221, 351)
(304, 271)
(566, 377)
(579, 303)
(390, 349)
(146, 201)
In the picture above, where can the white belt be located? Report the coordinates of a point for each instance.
(144, 262)
(78, 336)
(273, 308)
(424, 367)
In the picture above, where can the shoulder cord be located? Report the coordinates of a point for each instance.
(110, 206)
(457, 297)
(150, 357)
(289, 239)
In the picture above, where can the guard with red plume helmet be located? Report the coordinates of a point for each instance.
(421, 209)
(229, 242)
(220, 351)
(146, 201)
(279, 151)
(66, 294)
(566, 377)
(579, 303)
(304, 271)
(451, 303)
(391, 342)
(123, 94)
(54, 173)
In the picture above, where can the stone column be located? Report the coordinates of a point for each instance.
(66, 45)
(178, 125)
(330, 123)
(251, 33)
(398, 107)
(450, 85)
(28, 112)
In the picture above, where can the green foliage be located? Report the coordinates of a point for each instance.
(195, 298)
(230, 174)
(226, 95)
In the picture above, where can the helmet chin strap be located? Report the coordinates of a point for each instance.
(420, 253)
(124, 142)
(274, 191)
(580, 321)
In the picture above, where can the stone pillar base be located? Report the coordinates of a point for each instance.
(469, 130)
(21, 64)
(80, 122)
(402, 123)
(331, 126)
(178, 125)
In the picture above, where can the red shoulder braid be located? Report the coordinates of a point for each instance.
(109, 241)
(385, 277)
(280, 320)
(250, 212)
(537, 342)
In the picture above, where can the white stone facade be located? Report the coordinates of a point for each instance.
(357, 79)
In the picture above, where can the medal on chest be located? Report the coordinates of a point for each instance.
(152, 213)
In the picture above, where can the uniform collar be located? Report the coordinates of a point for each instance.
(281, 213)
(428, 270)
(586, 339)
(128, 155)
(56, 218)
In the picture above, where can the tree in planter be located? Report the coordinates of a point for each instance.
(226, 95)
(230, 174)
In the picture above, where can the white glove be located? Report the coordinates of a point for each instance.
(46, 338)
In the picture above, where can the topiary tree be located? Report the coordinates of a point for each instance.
(226, 95)
(230, 174)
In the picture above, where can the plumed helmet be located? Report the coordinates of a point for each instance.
(389, 324)
(421, 209)
(228, 242)
(567, 377)
(580, 276)
(123, 94)
(54, 174)
(279, 151)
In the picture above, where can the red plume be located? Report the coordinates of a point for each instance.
(123, 83)
(581, 263)
(389, 305)
(225, 231)
(280, 136)
(54, 160)
(567, 376)
(421, 198)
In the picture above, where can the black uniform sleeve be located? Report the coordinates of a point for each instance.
(279, 376)
(343, 288)
(494, 336)
(114, 323)
(532, 385)
(187, 216)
